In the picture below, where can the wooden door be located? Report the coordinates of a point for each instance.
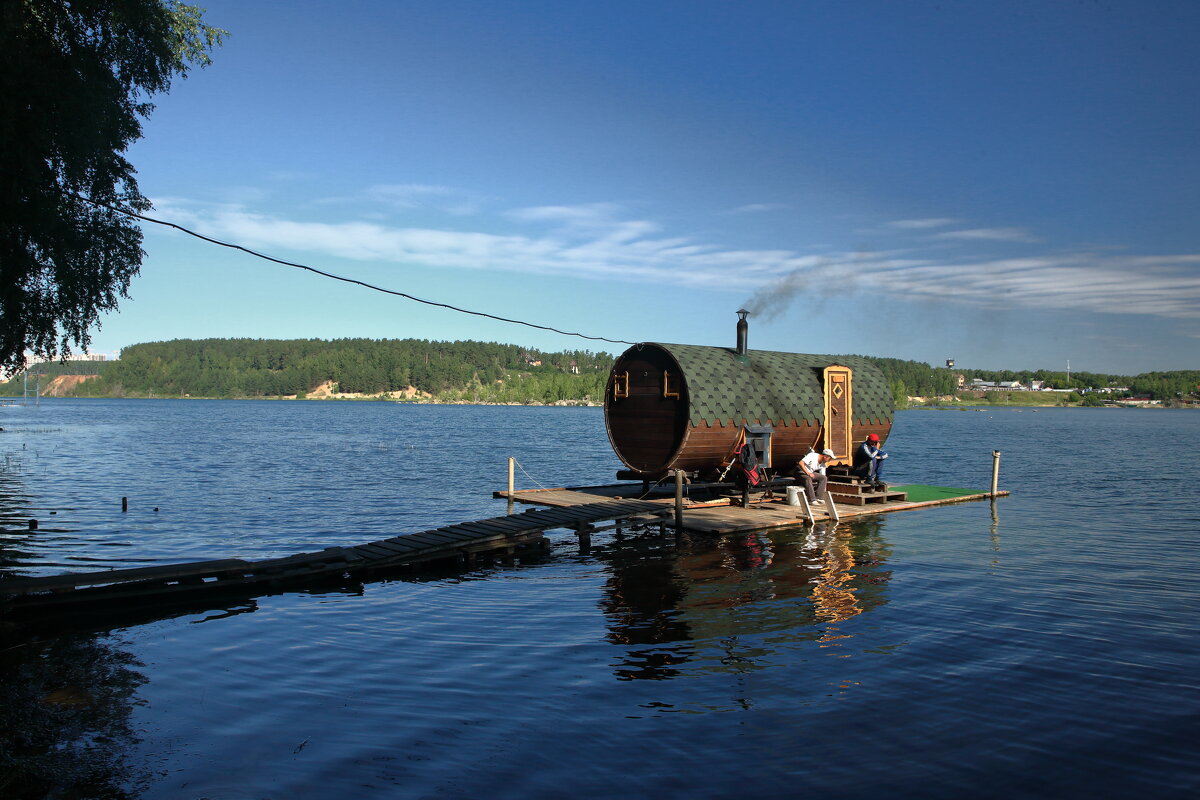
(839, 411)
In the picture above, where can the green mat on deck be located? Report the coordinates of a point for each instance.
(920, 494)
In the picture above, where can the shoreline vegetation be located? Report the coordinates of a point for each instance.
(488, 373)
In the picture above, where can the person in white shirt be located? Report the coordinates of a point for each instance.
(812, 472)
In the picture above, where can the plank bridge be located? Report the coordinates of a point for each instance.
(463, 542)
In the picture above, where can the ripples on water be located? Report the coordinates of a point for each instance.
(1043, 647)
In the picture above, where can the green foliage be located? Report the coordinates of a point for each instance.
(916, 378)
(53, 369)
(1092, 399)
(76, 78)
(449, 371)
(1165, 385)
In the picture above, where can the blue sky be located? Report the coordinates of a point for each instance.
(1009, 184)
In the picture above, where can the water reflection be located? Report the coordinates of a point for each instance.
(642, 600)
(729, 604)
(14, 517)
(995, 530)
(65, 719)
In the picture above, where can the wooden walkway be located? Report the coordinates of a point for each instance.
(161, 584)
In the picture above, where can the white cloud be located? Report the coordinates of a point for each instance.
(756, 208)
(413, 195)
(922, 224)
(989, 234)
(597, 242)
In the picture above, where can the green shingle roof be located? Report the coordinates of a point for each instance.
(776, 388)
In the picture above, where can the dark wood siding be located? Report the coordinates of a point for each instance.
(646, 428)
(708, 445)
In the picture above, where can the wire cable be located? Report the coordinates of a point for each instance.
(527, 475)
(355, 281)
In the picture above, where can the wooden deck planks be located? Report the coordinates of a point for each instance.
(198, 569)
(484, 529)
(556, 497)
(427, 541)
(391, 547)
(377, 552)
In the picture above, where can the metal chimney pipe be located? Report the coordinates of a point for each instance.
(743, 329)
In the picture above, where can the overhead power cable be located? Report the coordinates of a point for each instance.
(355, 281)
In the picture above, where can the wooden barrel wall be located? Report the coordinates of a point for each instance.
(645, 427)
(685, 406)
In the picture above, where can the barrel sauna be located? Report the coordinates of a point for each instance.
(680, 406)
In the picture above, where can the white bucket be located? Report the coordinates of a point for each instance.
(793, 495)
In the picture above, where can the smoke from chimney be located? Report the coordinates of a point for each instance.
(773, 299)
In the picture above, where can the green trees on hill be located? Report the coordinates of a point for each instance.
(915, 378)
(1166, 385)
(475, 371)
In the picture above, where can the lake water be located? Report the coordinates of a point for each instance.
(1040, 646)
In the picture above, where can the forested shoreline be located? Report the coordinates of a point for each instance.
(461, 371)
(399, 368)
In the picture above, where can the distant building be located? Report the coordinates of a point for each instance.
(980, 385)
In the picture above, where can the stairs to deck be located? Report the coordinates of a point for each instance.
(846, 488)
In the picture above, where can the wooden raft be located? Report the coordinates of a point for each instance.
(720, 516)
(164, 583)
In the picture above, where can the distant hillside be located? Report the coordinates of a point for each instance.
(469, 371)
(448, 371)
(52, 369)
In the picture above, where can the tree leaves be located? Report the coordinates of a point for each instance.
(76, 77)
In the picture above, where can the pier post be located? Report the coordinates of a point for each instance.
(995, 472)
(678, 500)
(511, 464)
(584, 531)
(124, 504)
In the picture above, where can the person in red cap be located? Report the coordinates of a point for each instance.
(868, 462)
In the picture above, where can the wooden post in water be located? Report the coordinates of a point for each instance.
(995, 472)
(678, 500)
(511, 464)
(584, 531)
(124, 504)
